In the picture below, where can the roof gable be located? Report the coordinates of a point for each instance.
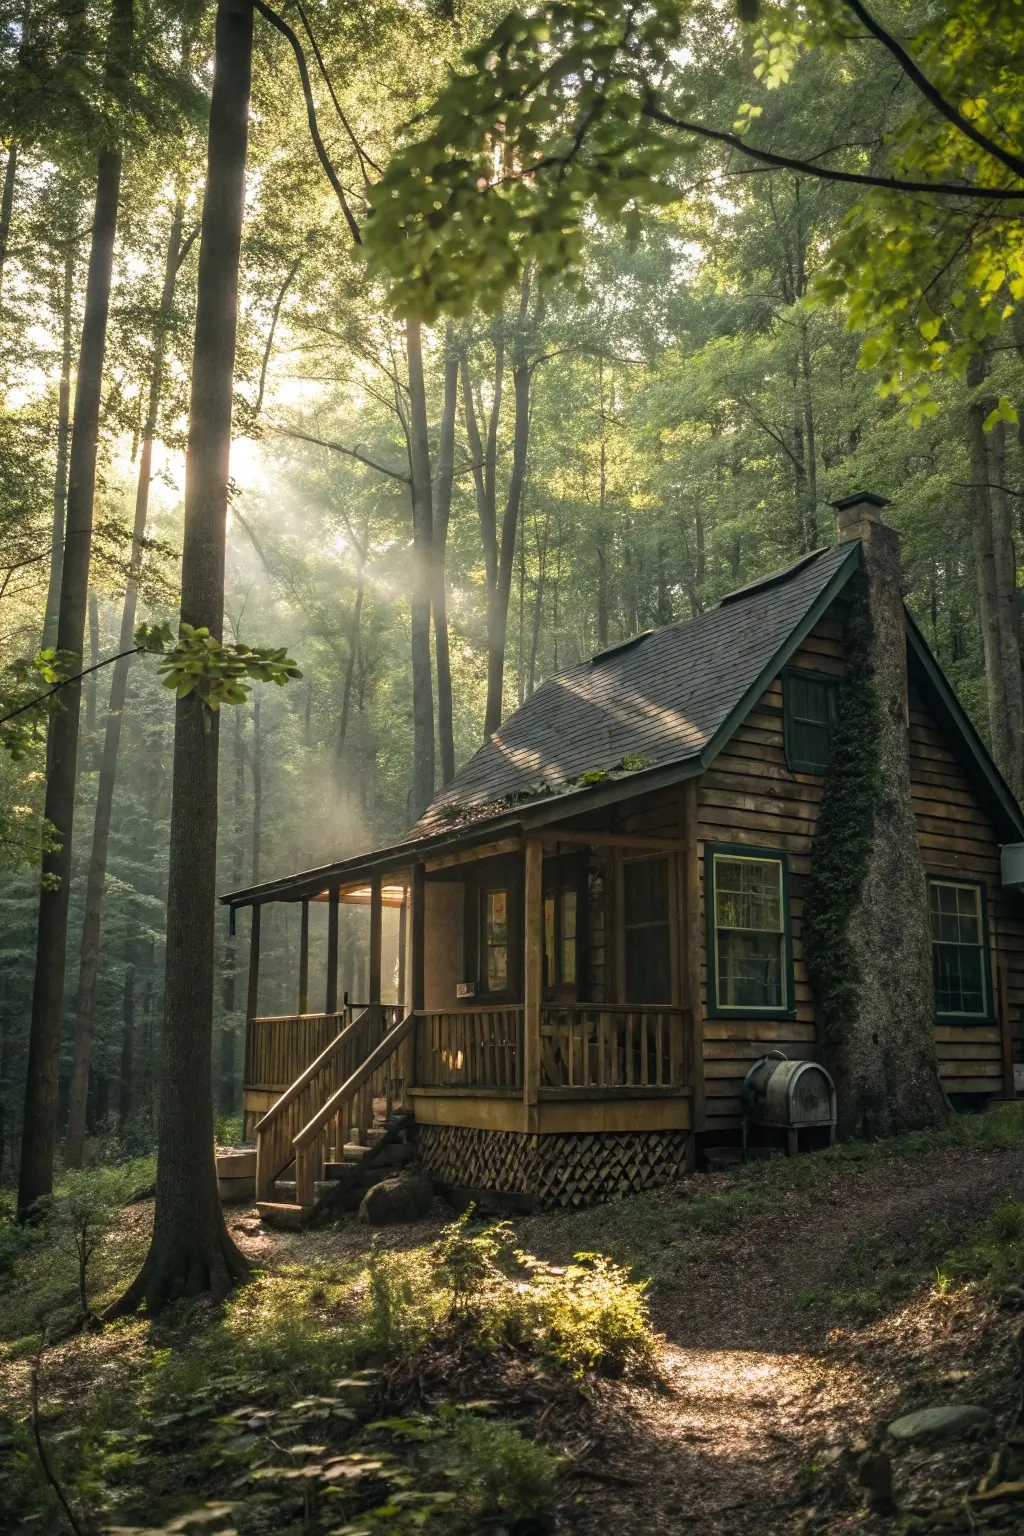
(670, 697)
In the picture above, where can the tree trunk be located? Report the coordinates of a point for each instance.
(257, 789)
(999, 705)
(40, 1128)
(442, 506)
(1004, 561)
(7, 205)
(811, 514)
(353, 649)
(422, 791)
(538, 606)
(60, 479)
(191, 1251)
(94, 656)
(96, 878)
(497, 614)
(124, 1095)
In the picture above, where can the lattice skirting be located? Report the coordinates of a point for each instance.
(556, 1170)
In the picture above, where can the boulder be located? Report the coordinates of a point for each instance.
(939, 1423)
(408, 1198)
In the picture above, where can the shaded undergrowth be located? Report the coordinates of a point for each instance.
(330, 1394)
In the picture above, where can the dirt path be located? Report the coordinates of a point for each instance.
(766, 1406)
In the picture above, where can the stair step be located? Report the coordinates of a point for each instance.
(284, 1190)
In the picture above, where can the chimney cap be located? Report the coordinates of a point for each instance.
(871, 497)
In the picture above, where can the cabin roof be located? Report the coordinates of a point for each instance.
(661, 697)
(649, 711)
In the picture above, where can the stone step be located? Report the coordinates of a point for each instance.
(282, 1215)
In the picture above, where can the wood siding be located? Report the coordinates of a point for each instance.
(750, 796)
(958, 840)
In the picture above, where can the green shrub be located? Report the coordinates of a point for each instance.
(495, 1467)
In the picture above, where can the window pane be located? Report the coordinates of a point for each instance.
(809, 721)
(496, 939)
(959, 984)
(648, 969)
(568, 936)
(811, 743)
(748, 894)
(750, 970)
(958, 948)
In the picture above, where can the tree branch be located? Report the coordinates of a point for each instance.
(930, 92)
(352, 453)
(136, 650)
(364, 159)
(332, 176)
(826, 173)
(289, 279)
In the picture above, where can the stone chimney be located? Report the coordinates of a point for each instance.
(880, 1045)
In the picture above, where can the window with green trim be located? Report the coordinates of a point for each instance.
(809, 712)
(750, 954)
(959, 953)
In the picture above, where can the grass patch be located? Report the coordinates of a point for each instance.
(658, 1234)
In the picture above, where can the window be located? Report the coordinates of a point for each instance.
(959, 959)
(750, 957)
(560, 937)
(809, 712)
(495, 936)
(646, 911)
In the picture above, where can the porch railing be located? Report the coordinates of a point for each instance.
(278, 1049)
(470, 1047)
(584, 1045)
(318, 1083)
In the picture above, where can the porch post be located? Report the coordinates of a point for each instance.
(533, 962)
(418, 946)
(376, 923)
(692, 1015)
(403, 939)
(254, 962)
(331, 1005)
(304, 957)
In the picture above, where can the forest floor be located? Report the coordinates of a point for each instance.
(800, 1307)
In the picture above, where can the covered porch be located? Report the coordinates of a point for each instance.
(546, 985)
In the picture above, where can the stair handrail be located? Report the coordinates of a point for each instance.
(304, 1172)
(306, 1077)
(377, 1057)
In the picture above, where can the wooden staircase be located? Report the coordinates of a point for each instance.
(339, 1117)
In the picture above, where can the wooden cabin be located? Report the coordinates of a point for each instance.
(599, 918)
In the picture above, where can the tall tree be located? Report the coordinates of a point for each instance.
(60, 476)
(444, 476)
(191, 1251)
(89, 954)
(422, 789)
(36, 1177)
(500, 544)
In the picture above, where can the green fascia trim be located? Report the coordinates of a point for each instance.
(750, 851)
(973, 755)
(797, 635)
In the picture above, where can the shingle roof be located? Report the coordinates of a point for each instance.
(661, 697)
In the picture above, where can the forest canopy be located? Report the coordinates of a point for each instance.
(527, 330)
